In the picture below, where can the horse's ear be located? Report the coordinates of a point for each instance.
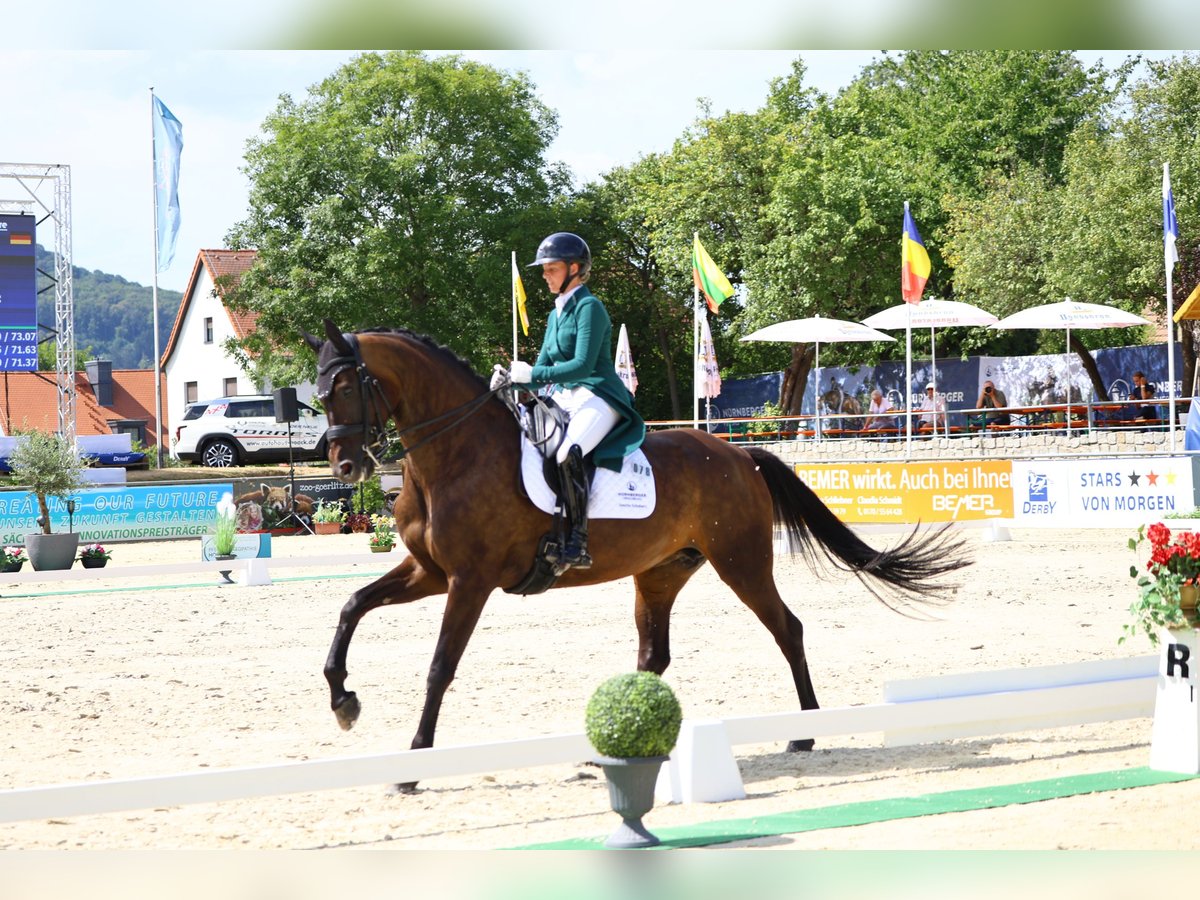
(337, 338)
(314, 342)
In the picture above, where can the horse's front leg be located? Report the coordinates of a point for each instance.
(464, 605)
(407, 582)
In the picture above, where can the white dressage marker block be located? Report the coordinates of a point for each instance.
(702, 768)
(257, 572)
(996, 533)
(1175, 738)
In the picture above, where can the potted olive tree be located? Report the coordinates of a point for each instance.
(633, 721)
(48, 466)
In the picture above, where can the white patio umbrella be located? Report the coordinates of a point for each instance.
(1068, 314)
(817, 330)
(932, 314)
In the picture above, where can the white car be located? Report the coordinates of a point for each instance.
(231, 431)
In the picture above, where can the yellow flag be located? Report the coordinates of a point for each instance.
(519, 296)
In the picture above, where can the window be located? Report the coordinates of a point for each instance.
(135, 428)
(230, 387)
(190, 392)
(208, 334)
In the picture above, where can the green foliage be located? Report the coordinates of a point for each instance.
(393, 193)
(328, 511)
(225, 529)
(368, 497)
(633, 715)
(1174, 565)
(113, 317)
(47, 465)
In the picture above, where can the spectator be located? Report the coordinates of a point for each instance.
(877, 418)
(1144, 390)
(991, 398)
(933, 411)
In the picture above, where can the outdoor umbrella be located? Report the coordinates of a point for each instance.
(1070, 314)
(931, 314)
(817, 330)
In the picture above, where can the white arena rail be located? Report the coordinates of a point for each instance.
(702, 767)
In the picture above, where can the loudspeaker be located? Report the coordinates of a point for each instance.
(285, 405)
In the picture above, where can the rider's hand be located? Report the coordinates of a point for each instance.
(499, 377)
(520, 372)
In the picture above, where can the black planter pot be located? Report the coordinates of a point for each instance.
(51, 551)
(91, 563)
(12, 567)
(631, 784)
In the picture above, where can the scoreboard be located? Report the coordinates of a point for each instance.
(18, 293)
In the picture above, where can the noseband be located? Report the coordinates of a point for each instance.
(375, 412)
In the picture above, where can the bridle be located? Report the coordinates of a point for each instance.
(371, 429)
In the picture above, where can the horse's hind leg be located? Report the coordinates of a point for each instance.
(657, 589)
(758, 591)
(407, 582)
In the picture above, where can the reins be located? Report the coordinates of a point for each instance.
(374, 439)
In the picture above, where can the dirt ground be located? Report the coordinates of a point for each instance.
(139, 677)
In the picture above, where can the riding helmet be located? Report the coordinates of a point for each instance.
(562, 246)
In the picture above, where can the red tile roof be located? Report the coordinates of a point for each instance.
(30, 400)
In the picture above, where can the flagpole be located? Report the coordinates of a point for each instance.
(695, 342)
(158, 410)
(513, 282)
(908, 380)
(1170, 267)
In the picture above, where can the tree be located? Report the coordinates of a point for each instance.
(393, 195)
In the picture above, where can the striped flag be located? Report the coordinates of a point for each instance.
(708, 374)
(518, 290)
(914, 261)
(709, 279)
(20, 239)
(1170, 226)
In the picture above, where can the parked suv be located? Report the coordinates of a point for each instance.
(231, 431)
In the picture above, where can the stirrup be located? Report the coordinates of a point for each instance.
(575, 553)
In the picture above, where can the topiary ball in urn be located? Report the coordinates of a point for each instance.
(633, 721)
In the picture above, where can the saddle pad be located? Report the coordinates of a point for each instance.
(628, 494)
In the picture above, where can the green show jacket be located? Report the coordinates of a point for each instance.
(577, 350)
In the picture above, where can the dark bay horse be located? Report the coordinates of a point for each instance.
(469, 529)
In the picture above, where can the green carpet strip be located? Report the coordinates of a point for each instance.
(870, 811)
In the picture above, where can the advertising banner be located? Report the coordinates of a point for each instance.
(935, 491)
(1102, 492)
(124, 513)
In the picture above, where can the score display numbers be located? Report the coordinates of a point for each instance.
(18, 293)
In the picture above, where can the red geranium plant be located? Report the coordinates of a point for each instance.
(1174, 562)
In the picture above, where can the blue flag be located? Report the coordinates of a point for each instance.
(1170, 226)
(168, 144)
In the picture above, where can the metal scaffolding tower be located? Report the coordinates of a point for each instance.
(32, 179)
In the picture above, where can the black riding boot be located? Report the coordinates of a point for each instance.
(575, 490)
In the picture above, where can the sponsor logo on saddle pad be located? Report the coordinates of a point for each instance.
(628, 494)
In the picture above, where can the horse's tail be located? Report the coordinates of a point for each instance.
(910, 568)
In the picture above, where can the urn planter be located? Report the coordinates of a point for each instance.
(631, 783)
(51, 551)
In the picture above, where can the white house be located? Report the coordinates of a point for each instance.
(194, 363)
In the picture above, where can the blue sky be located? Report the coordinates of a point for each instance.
(90, 109)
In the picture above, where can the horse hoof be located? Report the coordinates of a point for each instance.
(409, 787)
(804, 746)
(347, 711)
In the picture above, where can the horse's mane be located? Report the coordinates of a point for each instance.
(433, 345)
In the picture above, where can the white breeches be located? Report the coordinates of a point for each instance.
(591, 419)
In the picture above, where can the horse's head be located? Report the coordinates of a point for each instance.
(354, 405)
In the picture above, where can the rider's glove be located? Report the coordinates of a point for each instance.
(499, 377)
(520, 372)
